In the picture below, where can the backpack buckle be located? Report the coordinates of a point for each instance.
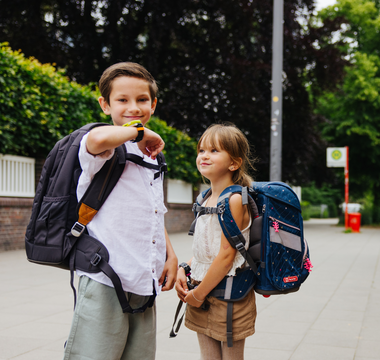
(96, 260)
(77, 229)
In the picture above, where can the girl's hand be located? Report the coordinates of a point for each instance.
(151, 144)
(181, 284)
(192, 299)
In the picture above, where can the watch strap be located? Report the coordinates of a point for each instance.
(131, 123)
(140, 135)
(186, 267)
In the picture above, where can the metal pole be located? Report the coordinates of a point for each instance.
(276, 108)
(346, 191)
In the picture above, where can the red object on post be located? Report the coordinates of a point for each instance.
(346, 190)
(354, 221)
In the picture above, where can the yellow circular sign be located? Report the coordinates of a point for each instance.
(275, 98)
(336, 154)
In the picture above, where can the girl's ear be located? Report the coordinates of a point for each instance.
(235, 164)
(104, 105)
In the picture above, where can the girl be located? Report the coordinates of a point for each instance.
(223, 158)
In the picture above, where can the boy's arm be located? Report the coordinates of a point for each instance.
(170, 267)
(104, 138)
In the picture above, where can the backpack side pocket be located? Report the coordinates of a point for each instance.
(286, 256)
(51, 221)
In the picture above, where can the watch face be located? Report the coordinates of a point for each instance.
(185, 267)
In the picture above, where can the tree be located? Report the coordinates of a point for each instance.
(212, 60)
(352, 111)
(39, 105)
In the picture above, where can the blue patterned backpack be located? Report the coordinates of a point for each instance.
(278, 253)
(277, 256)
(282, 254)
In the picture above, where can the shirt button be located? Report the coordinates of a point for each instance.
(151, 183)
(154, 241)
(152, 270)
(156, 211)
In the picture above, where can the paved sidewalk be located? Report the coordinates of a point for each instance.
(335, 315)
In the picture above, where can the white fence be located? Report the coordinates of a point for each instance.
(179, 192)
(16, 176)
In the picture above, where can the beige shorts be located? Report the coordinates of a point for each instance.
(101, 331)
(213, 322)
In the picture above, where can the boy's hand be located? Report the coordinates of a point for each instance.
(151, 144)
(181, 284)
(170, 273)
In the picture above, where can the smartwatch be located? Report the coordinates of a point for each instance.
(140, 129)
(140, 135)
(186, 267)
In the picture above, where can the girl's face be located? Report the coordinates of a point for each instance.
(212, 162)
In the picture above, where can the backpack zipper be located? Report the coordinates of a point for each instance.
(305, 252)
(303, 239)
(284, 223)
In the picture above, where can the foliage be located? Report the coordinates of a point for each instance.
(211, 58)
(39, 105)
(352, 112)
(305, 207)
(322, 195)
(180, 151)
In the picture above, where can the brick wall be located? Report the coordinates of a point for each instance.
(14, 217)
(15, 214)
(179, 217)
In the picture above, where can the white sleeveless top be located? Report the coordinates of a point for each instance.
(206, 246)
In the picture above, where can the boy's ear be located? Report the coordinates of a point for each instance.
(153, 107)
(104, 105)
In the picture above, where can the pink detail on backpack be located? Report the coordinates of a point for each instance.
(308, 265)
(276, 226)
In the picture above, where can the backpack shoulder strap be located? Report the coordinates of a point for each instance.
(229, 227)
(200, 210)
(105, 180)
(97, 192)
(161, 168)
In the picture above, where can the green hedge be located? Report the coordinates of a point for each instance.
(305, 207)
(180, 151)
(39, 105)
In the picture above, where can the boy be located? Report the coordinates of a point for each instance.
(130, 224)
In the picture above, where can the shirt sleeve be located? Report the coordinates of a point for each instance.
(90, 165)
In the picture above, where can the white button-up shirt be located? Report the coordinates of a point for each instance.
(130, 223)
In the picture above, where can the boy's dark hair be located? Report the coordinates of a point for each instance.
(125, 69)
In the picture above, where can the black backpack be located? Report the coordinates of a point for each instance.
(56, 234)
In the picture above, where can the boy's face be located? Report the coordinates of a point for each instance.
(129, 100)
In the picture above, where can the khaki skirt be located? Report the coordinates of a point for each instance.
(213, 322)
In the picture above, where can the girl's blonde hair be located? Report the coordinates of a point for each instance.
(229, 138)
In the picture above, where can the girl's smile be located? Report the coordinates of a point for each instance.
(213, 163)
